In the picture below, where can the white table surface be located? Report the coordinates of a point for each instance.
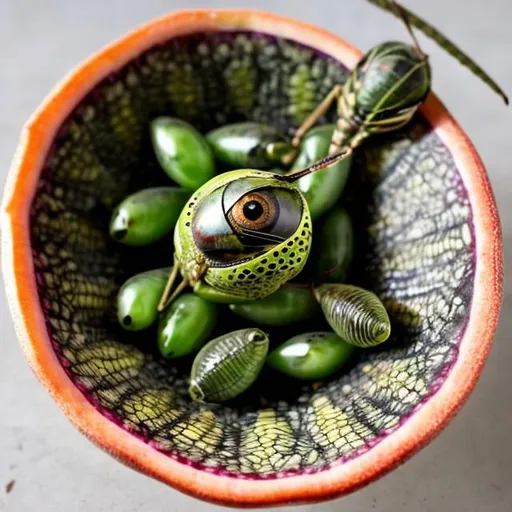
(468, 468)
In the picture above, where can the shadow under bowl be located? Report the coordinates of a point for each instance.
(428, 242)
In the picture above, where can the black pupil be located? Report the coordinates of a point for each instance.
(253, 210)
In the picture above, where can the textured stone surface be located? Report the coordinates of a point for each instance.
(434, 472)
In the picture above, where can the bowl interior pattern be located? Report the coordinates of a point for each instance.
(414, 240)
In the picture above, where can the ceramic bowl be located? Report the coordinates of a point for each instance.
(428, 242)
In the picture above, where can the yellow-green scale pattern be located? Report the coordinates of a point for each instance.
(415, 249)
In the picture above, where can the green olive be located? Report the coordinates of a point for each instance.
(182, 152)
(248, 144)
(311, 355)
(322, 189)
(228, 365)
(290, 304)
(333, 246)
(211, 294)
(147, 215)
(356, 315)
(186, 325)
(138, 299)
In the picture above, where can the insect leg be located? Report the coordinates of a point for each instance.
(312, 119)
(172, 277)
(319, 111)
(176, 292)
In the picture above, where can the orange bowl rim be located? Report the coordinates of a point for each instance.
(419, 429)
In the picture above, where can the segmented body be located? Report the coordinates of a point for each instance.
(355, 314)
(228, 365)
(382, 93)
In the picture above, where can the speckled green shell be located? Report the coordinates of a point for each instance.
(415, 244)
(228, 365)
(258, 276)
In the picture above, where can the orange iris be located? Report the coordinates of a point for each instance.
(255, 211)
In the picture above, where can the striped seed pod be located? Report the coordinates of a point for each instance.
(356, 315)
(228, 365)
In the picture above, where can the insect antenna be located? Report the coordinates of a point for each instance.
(433, 33)
(402, 14)
(317, 166)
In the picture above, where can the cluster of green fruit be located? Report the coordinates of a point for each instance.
(228, 365)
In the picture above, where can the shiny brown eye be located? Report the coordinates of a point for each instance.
(256, 210)
(244, 216)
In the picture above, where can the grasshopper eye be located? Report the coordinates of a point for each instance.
(257, 211)
(244, 216)
(265, 217)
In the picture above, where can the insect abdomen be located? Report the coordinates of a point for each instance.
(228, 365)
(355, 314)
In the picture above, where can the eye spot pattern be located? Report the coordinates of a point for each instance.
(280, 264)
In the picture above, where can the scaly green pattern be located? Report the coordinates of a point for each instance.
(414, 243)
